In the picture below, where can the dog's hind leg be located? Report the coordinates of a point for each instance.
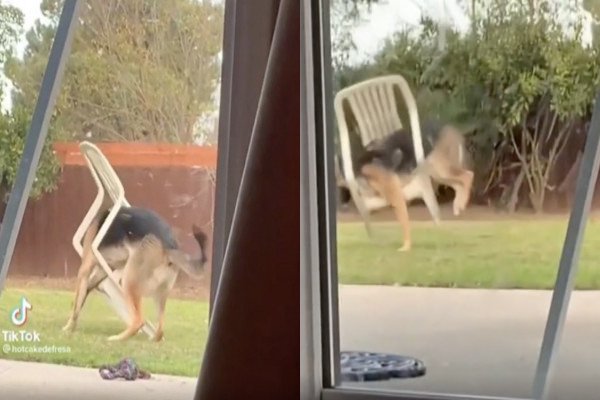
(160, 297)
(461, 180)
(469, 176)
(462, 192)
(457, 177)
(133, 296)
(161, 303)
(142, 261)
(133, 299)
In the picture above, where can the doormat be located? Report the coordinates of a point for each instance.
(359, 366)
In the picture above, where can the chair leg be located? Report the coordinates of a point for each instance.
(367, 222)
(430, 199)
(361, 207)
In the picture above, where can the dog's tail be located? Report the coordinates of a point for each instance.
(192, 267)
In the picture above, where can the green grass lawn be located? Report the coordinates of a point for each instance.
(178, 354)
(494, 254)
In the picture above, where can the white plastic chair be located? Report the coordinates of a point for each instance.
(373, 104)
(110, 190)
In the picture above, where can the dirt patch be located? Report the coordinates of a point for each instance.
(183, 290)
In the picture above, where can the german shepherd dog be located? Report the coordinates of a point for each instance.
(389, 164)
(142, 245)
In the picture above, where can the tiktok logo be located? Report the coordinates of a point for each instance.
(19, 314)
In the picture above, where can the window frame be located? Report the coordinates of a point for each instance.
(319, 242)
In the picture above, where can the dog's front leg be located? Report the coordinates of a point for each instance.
(389, 185)
(398, 201)
(81, 291)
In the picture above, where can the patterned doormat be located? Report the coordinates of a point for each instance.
(359, 366)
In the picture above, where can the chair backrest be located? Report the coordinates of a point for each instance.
(103, 171)
(373, 104)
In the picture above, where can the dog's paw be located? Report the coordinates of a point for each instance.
(404, 248)
(114, 338)
(69, 327)
(458, 208)
(157, 338)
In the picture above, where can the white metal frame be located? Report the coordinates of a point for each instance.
(373, 104)
(110, 189)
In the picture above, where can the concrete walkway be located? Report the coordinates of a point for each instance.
(34, 381)
(478, 342)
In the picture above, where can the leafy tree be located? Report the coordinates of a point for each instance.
(141, 70)
(14, 124)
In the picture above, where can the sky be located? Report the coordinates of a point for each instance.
(31, 11)
(387, 16)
